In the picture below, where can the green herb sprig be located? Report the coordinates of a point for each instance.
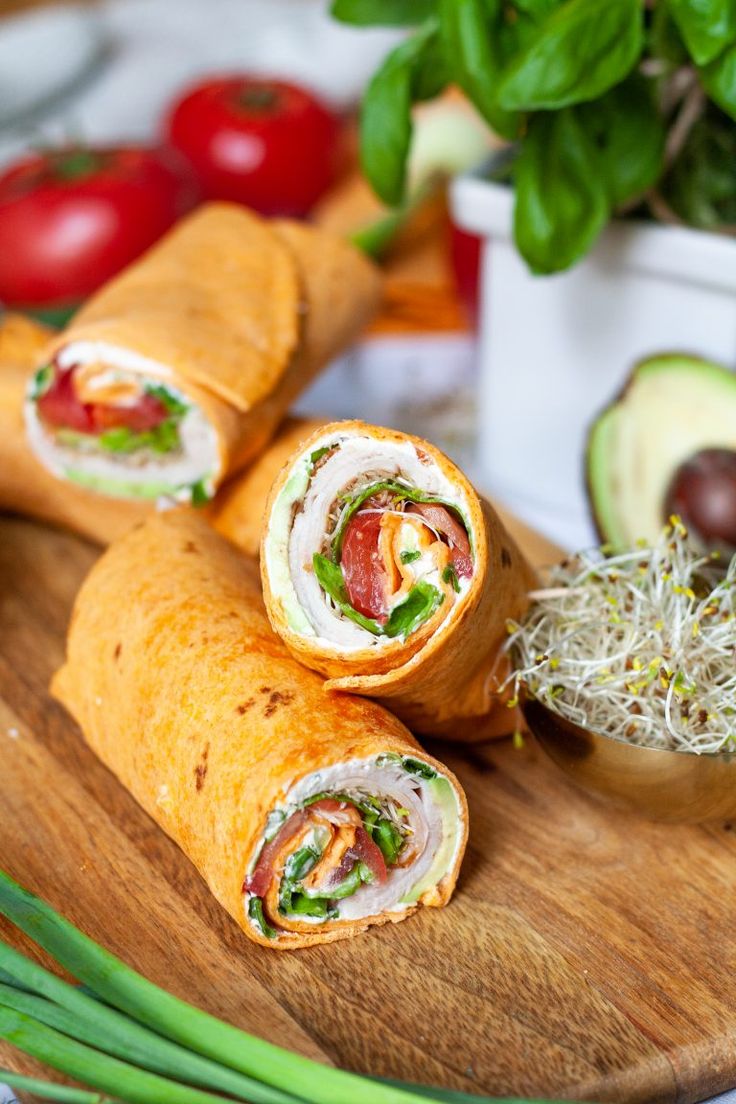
(613, 104)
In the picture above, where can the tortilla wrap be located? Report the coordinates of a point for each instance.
(432, 650)
(185, 693)
(217, 328)
(28, 489)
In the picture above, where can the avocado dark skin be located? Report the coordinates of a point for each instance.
(703, 494)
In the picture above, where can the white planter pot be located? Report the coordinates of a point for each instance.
(555, 349)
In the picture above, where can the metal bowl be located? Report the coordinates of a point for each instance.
(662, 785)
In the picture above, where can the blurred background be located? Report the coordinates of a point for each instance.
(499, 340)
(107, 74)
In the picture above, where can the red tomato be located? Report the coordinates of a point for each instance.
(365, 578)
(71, 218)
(443, 521)
(370, 853)
(465, 252)
(265, 143)
(60, 407)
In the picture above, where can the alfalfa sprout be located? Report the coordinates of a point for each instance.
(640, 646)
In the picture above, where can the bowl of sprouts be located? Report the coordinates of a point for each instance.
(626, 668)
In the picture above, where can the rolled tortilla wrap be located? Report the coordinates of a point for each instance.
(176, 373)
(26, 487)
(385, 571)
(310, 818)
(239, 507)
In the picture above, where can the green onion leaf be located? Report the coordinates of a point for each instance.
(409, 557)
(47, 1090)
(93, 1068)
(66, 1008)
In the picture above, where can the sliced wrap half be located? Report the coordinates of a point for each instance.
(29, 489)
(310, 818)
(385, 571)
(177, 372)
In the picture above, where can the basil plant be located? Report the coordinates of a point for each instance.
(614, 106)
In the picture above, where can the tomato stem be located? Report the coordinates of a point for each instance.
(73, 164)
(261, 98)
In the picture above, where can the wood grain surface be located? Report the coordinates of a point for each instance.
(587, 953)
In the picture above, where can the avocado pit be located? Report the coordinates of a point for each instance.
(703, 493)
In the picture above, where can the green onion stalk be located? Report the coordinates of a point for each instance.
(133, 1042)
(47, 1090)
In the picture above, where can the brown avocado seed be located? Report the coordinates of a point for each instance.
(703, 493)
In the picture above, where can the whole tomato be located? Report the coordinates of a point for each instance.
(71, 218)
(265, 143)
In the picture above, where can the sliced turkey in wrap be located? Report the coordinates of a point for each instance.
(176, 373)
(310, 818)
(384, 570)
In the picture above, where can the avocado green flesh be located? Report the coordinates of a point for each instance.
(121, 488)
(277, 544)
(446, 798)
(672, 408)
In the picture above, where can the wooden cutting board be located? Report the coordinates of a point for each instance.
(586, 954)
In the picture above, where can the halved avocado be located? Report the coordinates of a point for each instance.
(675, 416)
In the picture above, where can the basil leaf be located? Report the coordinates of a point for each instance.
(719, 81)
(449, 575)
(629, 135)
(200, 494)
(580, 51)
(418, 606)
(537, 9)
(173, 404)
(301, 905)
(300, 863)
(410, 557)
(330, 577)
(255, 912)
(416, 766)
(385, 125)
(561, 201)
(701, 185)
(382, 13)
(389, 840)
(119, 439)
(41, 381)
(663, 37)
(355, 879)
(473, 46)
(707, 26)
(318, 454)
